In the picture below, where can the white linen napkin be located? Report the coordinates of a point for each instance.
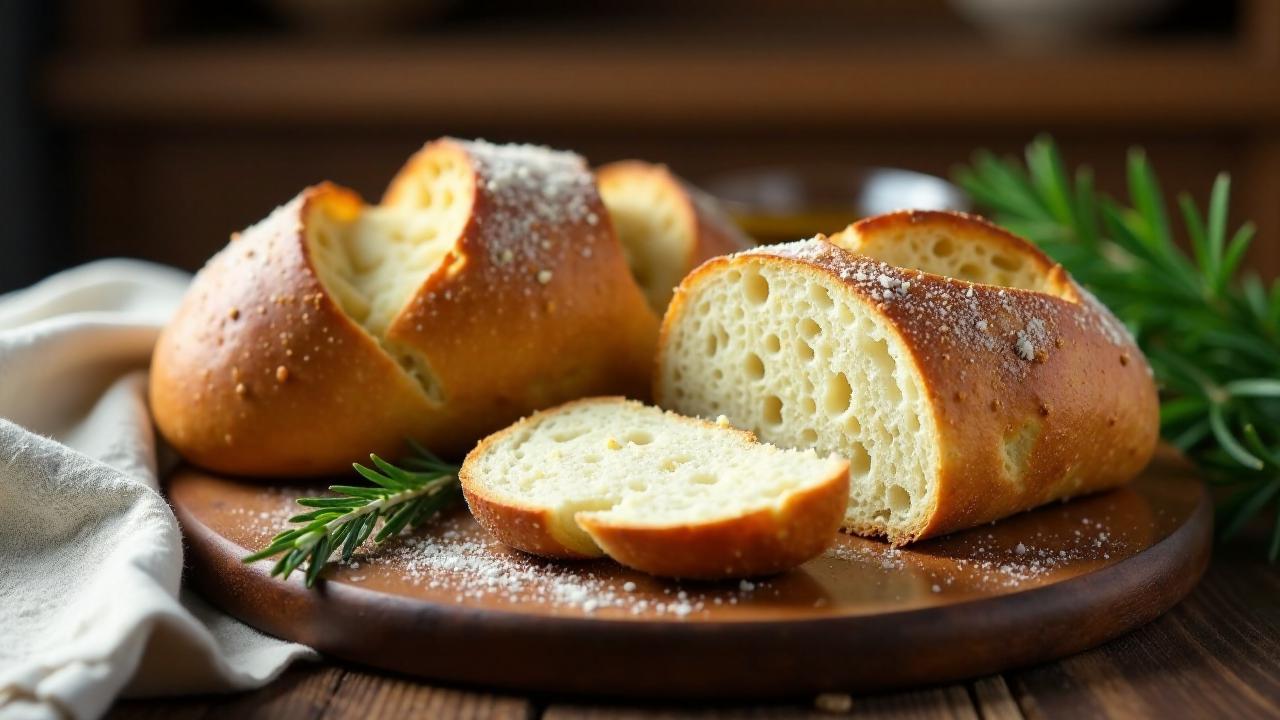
(90, 553)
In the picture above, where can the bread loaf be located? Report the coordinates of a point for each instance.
(964, 374)
(658, 492)
(667, 226)
(488, 283)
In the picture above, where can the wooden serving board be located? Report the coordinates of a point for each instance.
(448, 603)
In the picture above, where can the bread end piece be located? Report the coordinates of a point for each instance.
(667, 226)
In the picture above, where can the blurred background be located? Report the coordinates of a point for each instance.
(153, 129)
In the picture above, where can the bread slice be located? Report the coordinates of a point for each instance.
(488, 283)
(658, 492)
(667, 226)
(967, 378)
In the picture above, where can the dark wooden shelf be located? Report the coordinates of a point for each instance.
(634, 82)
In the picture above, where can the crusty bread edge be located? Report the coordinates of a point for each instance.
(776, 539)
(1130, 444)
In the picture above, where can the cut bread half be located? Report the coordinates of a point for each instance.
(958, 400)
(487, 284)
(667, 226)
(662, 493)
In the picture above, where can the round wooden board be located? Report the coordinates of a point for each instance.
(448, 603)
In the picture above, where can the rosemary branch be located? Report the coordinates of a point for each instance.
(400, 496)
(1211, 332)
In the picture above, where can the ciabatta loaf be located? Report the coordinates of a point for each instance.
(964, 374)
(667, 226)
(658, 492)
(488, 283)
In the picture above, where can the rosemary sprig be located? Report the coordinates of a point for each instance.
(1212, 334)
(400, 496)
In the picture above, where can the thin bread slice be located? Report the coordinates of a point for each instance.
(658, 492)
(667, 227)
(966, 377)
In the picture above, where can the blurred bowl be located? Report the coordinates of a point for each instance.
(1057, 22)
(778, 204)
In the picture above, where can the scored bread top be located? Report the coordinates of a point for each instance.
(606, 475)
(1018, 396)
(488, 283)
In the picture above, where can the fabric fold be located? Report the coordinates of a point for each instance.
(90, 553)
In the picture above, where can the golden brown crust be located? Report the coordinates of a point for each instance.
(998, 365)
(712, 232)
(757, 543)
(760, 543)
(260, 373)
(560, 320)
(532, 305)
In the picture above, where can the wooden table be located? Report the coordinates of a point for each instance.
(1216, 655)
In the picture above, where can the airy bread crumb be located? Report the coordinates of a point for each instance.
(608, 476)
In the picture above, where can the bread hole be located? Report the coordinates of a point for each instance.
(754, 366)
(671, 463)
(704, 479)
(877, 351)
(970, 272)
(718, 374)
(772, 409)
(853, 426)
(808, 437)
(845, 315)
(567, 435)
(810, 328)
(447, 198)
(859, 459)
(899, 499)
(808, 406)
(733, 276)
(639, 437)
(755, 288)
(913, 423)
(638, 486)
(839, 394)
(820, 296)
(772, 343)
(893, 392)
(713, 344)
(943, 248)
(804, 350)
(1006, 262)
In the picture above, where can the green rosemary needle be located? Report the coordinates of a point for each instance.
(1211, 332)
(399, 496)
